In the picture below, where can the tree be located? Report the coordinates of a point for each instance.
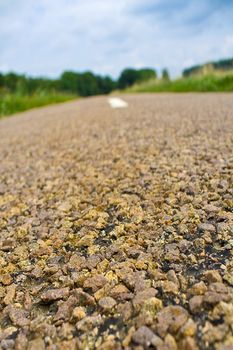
(127, 78)
(132, 76)
(68, 82)
(105, 84)
(165, 74)
(146, 74)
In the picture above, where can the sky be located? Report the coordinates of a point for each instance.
(47, 37)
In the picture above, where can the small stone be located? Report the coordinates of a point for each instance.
(170, 342)
(8, 245)
(171, 276)
(142, 296)
(110, 345)
(217, 292)
(37, 344)
(188, 344)
(172, 253)
(65, 308)
(79, 313)
(2, 291)
(198, 289)
(6, 279)
(184, 245)
(76, 262)
(211, 333)
(218, 287)
(212, 276)
(228, 277)
(144, 336)
(66, 206)
(152, 306)
(171, 319)
(207, 237)
(54, 294)
(17, 316)
(189, 328)
(95, 283)
(207, 227)
(88, 323)
(120, 292)
(21, 341)
(107, 303)
(195, 303)
(7, 344)
(10, 294)
(169, 287)
(83, 298)
(37, 272)
(7, 332)
(210, 208)
(66, 330)
(126, 310)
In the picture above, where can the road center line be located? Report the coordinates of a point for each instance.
(116, 102)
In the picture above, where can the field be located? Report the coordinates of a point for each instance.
(202, 83)
(13, 103)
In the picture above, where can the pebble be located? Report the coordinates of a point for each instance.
(107, 303)
(171, 319)
(145, 337)
(54, 294)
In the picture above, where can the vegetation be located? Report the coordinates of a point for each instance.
(165, 74)
(12, 103)
(19, 92)
(210, 67)
(195, 83)
(131, 76)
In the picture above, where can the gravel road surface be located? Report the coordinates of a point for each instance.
(116, 225)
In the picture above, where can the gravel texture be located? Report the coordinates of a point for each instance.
(116, 225)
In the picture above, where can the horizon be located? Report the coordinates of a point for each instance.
(159, 73)
(37, 43)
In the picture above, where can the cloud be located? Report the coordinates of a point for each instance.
(47, 37)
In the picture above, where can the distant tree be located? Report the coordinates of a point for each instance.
(105, 84)
(165, 74)
(10, 81)
(87, 84)
(69, 82)
(145, 74)
(132, 76)
(127, 78)
(82, 84)
(1, 80)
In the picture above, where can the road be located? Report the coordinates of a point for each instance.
(116, 224)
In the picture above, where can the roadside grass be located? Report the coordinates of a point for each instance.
(204, 83)
(13, 103)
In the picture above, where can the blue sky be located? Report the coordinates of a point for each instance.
(46, 37)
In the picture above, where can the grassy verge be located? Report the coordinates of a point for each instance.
(13, 103)
(206, 83)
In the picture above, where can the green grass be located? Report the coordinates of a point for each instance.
(13, 103)
(205, 83)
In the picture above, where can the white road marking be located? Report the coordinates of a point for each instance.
(116, 102)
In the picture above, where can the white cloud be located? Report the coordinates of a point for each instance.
(46, 37)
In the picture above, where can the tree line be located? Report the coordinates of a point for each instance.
(82, 84)
(222, 65)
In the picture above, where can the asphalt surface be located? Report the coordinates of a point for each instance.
(116, 225)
